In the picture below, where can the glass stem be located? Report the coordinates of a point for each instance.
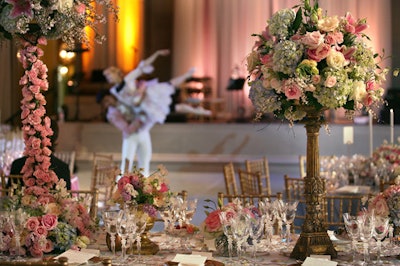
(378, 252)
(112, 238)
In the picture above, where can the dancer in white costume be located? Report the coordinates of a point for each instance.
(141, 104)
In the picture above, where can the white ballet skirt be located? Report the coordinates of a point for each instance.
(156, 103)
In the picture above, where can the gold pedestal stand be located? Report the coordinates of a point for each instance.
(314, 238)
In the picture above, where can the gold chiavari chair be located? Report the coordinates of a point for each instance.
(250, 183)
(102, 159)
(103, 180)
(90, 198)
(9, 181)
(230, 178)
(294, 191)
(336, 205)
(62, 261)
(261, 166)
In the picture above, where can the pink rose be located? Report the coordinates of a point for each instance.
(333, 38)
(122, 182)
(32, 223)
(379, 205)
(49, 221)
(164, 187)
(321, 52)
(313, 39)
(212, 222)
(41, 231)
(292, 91)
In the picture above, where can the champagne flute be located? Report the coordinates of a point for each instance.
(381, 229)
(125, 227)
(140, 224)
(19, 218)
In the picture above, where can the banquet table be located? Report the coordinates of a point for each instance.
(277, 253)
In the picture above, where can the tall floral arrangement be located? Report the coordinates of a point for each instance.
(31, 23)
(151, 192)
(305, 58)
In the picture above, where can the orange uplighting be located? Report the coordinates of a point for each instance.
(129, 35)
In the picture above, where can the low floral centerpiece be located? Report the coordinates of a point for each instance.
(387, 158)
(150, 192)
(212, 226)
(306, 58)
(387, 204)
(51, 221)
(55, 222)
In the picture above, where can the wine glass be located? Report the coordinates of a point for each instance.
(125, 227)
(353, 230)
(241, 231)
(110, 218)
(381, 228)
(256, 232)
(18, 220)
(227, 228)
(140, 224)
(366, 223)
(288, 218)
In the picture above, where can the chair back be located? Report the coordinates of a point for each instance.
(336, 205)
(250, 182)
(294, 190)
(261, 166)
(102, 159)
(104, 180)
(89, 198)
(8, 181)
(385, 184)
(230, 179)
(68, 157)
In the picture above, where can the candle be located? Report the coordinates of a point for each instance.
(348, 136)
(391, 126)
(370, 134)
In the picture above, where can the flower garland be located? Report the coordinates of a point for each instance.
(54, 220)
(306, 59)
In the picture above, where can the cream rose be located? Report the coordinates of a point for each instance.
(328, 24)
(330, 81)
(335, 59)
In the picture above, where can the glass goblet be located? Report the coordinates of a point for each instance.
(366, 223)
(110, 218)
(381, 229)
(353, 230)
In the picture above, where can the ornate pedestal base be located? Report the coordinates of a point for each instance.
(147, 248)
(313, 243)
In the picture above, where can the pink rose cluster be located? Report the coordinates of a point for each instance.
(387, 203)
(212, 226)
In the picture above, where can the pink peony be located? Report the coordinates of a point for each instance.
(212, 222)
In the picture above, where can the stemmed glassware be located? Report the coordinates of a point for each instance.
(140, 225)
(18, 220)
(287, 212)
(125, 228)
(228, 232)
(367, 225)
(268, 213)
(241, 231)
(256, 232)
(351, 224)
(381, 228)
(110, 218)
